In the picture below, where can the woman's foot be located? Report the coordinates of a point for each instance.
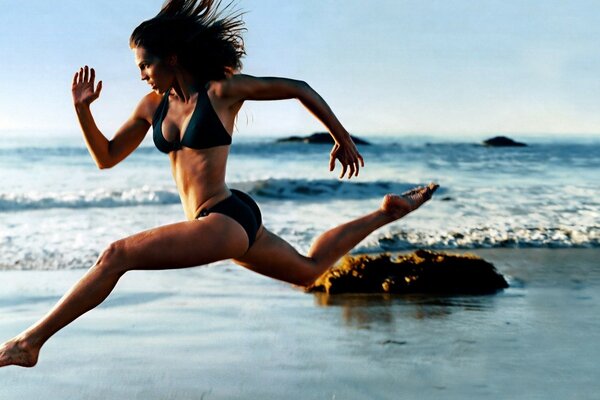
(397, 206)
(18, 352)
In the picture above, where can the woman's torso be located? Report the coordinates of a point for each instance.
(196, 135)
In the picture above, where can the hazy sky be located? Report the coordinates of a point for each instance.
(384, 66)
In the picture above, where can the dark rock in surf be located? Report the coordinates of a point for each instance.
(420, 272)
(502, 141)
(319, 138)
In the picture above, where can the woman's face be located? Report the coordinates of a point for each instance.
(154, 70)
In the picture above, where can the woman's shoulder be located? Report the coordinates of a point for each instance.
(228, 87)
(152, 99)
(229, 80)
(148, 105)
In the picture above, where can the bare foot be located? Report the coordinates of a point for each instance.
(18, 352)
(398, 206)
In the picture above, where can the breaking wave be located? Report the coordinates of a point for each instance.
(491, 237)
(292, 189)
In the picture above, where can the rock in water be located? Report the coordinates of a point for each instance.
(502, 141)
(319, 138)
(420, 272)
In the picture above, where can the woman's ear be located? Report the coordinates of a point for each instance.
(172, 60)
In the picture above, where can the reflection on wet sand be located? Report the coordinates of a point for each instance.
(363, 310)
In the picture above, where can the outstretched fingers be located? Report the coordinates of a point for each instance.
(84, 88)
(84, 75)
(349, 158)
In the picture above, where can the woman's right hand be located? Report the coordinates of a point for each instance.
(347, 154)
(83, 86)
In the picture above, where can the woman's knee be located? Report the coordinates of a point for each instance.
(113, 258)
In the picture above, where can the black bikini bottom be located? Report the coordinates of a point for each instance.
(241, 208)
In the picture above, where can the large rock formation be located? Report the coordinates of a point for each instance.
(502, 141)
(420, 272)
(319, 138)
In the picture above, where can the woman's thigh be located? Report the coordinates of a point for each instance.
(272, 256)
(184, 244)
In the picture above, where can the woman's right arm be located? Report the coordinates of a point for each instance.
(107, 153)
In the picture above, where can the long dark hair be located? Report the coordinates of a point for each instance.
(207, 40)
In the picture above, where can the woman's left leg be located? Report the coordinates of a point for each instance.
(272, 256)
(186, 244)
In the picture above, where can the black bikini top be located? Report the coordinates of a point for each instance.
(204, 130)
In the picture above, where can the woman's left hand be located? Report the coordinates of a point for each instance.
(83, 86)
(349, 157)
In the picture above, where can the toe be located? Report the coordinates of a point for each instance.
(430, 189)
(412, 191)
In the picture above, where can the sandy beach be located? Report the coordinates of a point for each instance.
(220, 332)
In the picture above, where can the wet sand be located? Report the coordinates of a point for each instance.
(221, 332)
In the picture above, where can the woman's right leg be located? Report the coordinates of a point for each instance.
(186, 244)
(274, 257)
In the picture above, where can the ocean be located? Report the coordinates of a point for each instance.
(58, 211)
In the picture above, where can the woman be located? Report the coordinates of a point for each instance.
(188, 54)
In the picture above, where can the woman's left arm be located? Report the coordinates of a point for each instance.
(244, 87)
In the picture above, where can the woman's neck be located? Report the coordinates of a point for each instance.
(185, 85)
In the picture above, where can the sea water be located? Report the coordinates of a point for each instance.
(59, 211)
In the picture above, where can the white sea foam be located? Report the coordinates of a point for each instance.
(490, 237)
(87, 199)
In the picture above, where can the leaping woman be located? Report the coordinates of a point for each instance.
(190, 55)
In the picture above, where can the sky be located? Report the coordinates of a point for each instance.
(386, 67)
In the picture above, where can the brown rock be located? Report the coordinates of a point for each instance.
(420, 272)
